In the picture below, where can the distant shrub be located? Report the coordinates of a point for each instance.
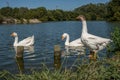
(1, 18)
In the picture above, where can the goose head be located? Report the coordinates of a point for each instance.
(14, 34)
(64, 36)
(81, 17)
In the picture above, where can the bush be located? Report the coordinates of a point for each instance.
(115, 35)
(1, 18)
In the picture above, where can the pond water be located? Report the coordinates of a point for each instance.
(46, 36)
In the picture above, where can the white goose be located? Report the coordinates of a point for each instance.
(92, 42)
(75, 43)
(25, 42)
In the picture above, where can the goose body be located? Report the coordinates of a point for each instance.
(92, 42)
(25, 42)
(75, 43)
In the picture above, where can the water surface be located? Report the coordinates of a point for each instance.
(46, 36)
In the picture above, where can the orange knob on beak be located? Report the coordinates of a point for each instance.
(12, 34)
(62, 37)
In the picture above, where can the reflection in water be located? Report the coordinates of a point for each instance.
(20, 63)
(19, 51)
(29, 49)
(19, 55)
(57, 57)
(71, 50)
(73, 56)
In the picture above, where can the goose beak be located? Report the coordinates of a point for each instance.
(12, 35)
(63, 37)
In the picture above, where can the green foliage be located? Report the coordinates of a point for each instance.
(6, 11)
(106, 69)
(100, 11)
(41, 13)
(113, 10)
(1, 18)
(115, 35)
(93, 11)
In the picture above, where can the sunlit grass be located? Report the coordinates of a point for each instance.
(97, 70)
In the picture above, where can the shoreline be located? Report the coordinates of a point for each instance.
(20, 21)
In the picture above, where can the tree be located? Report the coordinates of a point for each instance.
(58, 14)
(1, 18)
(113, 10)
(6, 11)
(50, 15)
(41, 12)
(16, 13)
(23, 12)
(92, 11)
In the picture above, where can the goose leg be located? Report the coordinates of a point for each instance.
(92, 56)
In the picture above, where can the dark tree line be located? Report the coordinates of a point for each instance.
(109, 11)
(113, 10)
(40, 13)
(93, 11)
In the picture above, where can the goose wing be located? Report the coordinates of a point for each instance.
(27, 41)
(97, 39)
(76, 42)
(95, 42)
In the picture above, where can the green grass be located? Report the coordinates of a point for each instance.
(107, 69)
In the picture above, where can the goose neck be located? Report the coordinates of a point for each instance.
(16, 40)
(84, 26)
(67, 40)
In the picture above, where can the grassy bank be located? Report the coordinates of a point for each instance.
(107, 69)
